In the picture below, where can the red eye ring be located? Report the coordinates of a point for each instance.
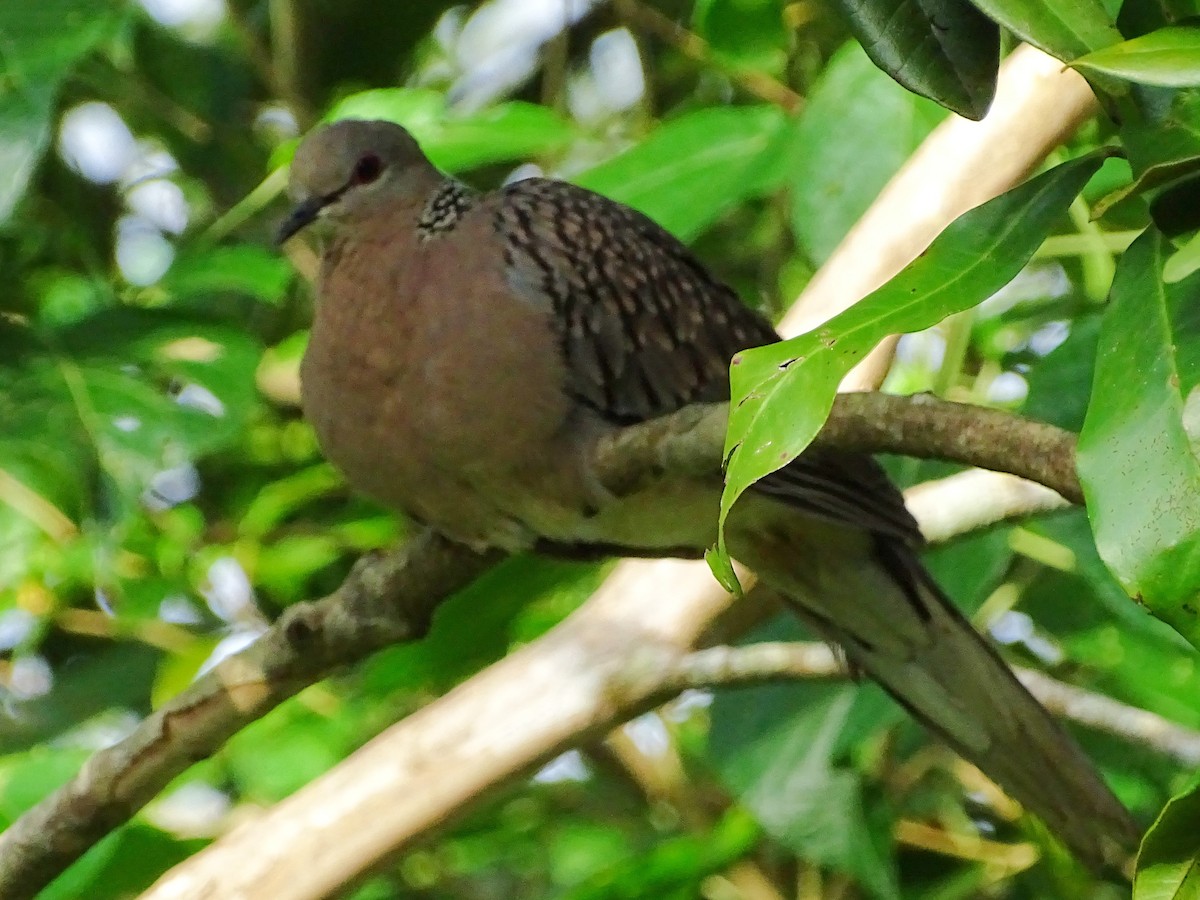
(367, 169)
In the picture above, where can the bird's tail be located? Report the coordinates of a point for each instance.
(872, 596)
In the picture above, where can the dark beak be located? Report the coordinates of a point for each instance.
(303, 214)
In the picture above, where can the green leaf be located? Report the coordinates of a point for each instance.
(782, 750)
(747, 34)
(1168, 57)
(122, 864)
(1136, 19)
(782, 393)
(693, 169)
(502, 133)
(1161, 136)
(39, 44)
(1137, 459)
(1183, 262)
(1059, 383)
(945, 50)
(856, 130)
(28, 778)
(25, 113)
(242, 268)
(1065, 28)
(1168, 864)
(674, 867)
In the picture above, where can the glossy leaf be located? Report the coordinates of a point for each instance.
(855, 132)
(1169, 57)
(693, 169)
(1065, 28)
(1137, 451)
(945, 50)
(782, 393)
(1168, 864)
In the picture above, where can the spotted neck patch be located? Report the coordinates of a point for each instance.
(445, 207)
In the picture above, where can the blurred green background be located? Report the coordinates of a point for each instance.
(161, 499)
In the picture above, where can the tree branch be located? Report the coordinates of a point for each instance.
(691, 441)
(503, 724)
(386, 600)
(779, 661)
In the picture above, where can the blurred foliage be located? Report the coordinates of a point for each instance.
(161, 499)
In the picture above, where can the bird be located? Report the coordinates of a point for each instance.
(468, 349)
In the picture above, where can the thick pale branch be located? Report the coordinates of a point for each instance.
(603, 668)
(390, 599)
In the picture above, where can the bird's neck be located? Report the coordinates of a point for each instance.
(444, 207)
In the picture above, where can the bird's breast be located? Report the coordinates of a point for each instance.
(428, 384)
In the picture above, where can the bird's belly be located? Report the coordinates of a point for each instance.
(475, 464)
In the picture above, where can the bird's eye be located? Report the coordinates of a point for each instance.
(367, 169)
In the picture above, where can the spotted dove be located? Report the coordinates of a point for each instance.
(467, 350)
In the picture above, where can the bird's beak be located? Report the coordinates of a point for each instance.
(301, 215)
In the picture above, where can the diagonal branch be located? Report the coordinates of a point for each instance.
(384, 600)
(390, 599)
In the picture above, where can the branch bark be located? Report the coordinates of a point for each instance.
(692, 440)
(390, 599)
(384, 600)
(503, 724)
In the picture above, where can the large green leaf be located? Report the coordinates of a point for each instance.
(782, 393)
(1064, 29)
(691, 170)
(945, 50)
(1168, 864)
(856, 130)
(1137, 458)
(1168, 57)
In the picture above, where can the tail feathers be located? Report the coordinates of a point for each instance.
(876, 600)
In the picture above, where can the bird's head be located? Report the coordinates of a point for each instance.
(347, 171)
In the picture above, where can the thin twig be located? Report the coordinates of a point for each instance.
(694, 47)
(779, 661)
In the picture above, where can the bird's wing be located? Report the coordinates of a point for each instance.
(647, 330)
